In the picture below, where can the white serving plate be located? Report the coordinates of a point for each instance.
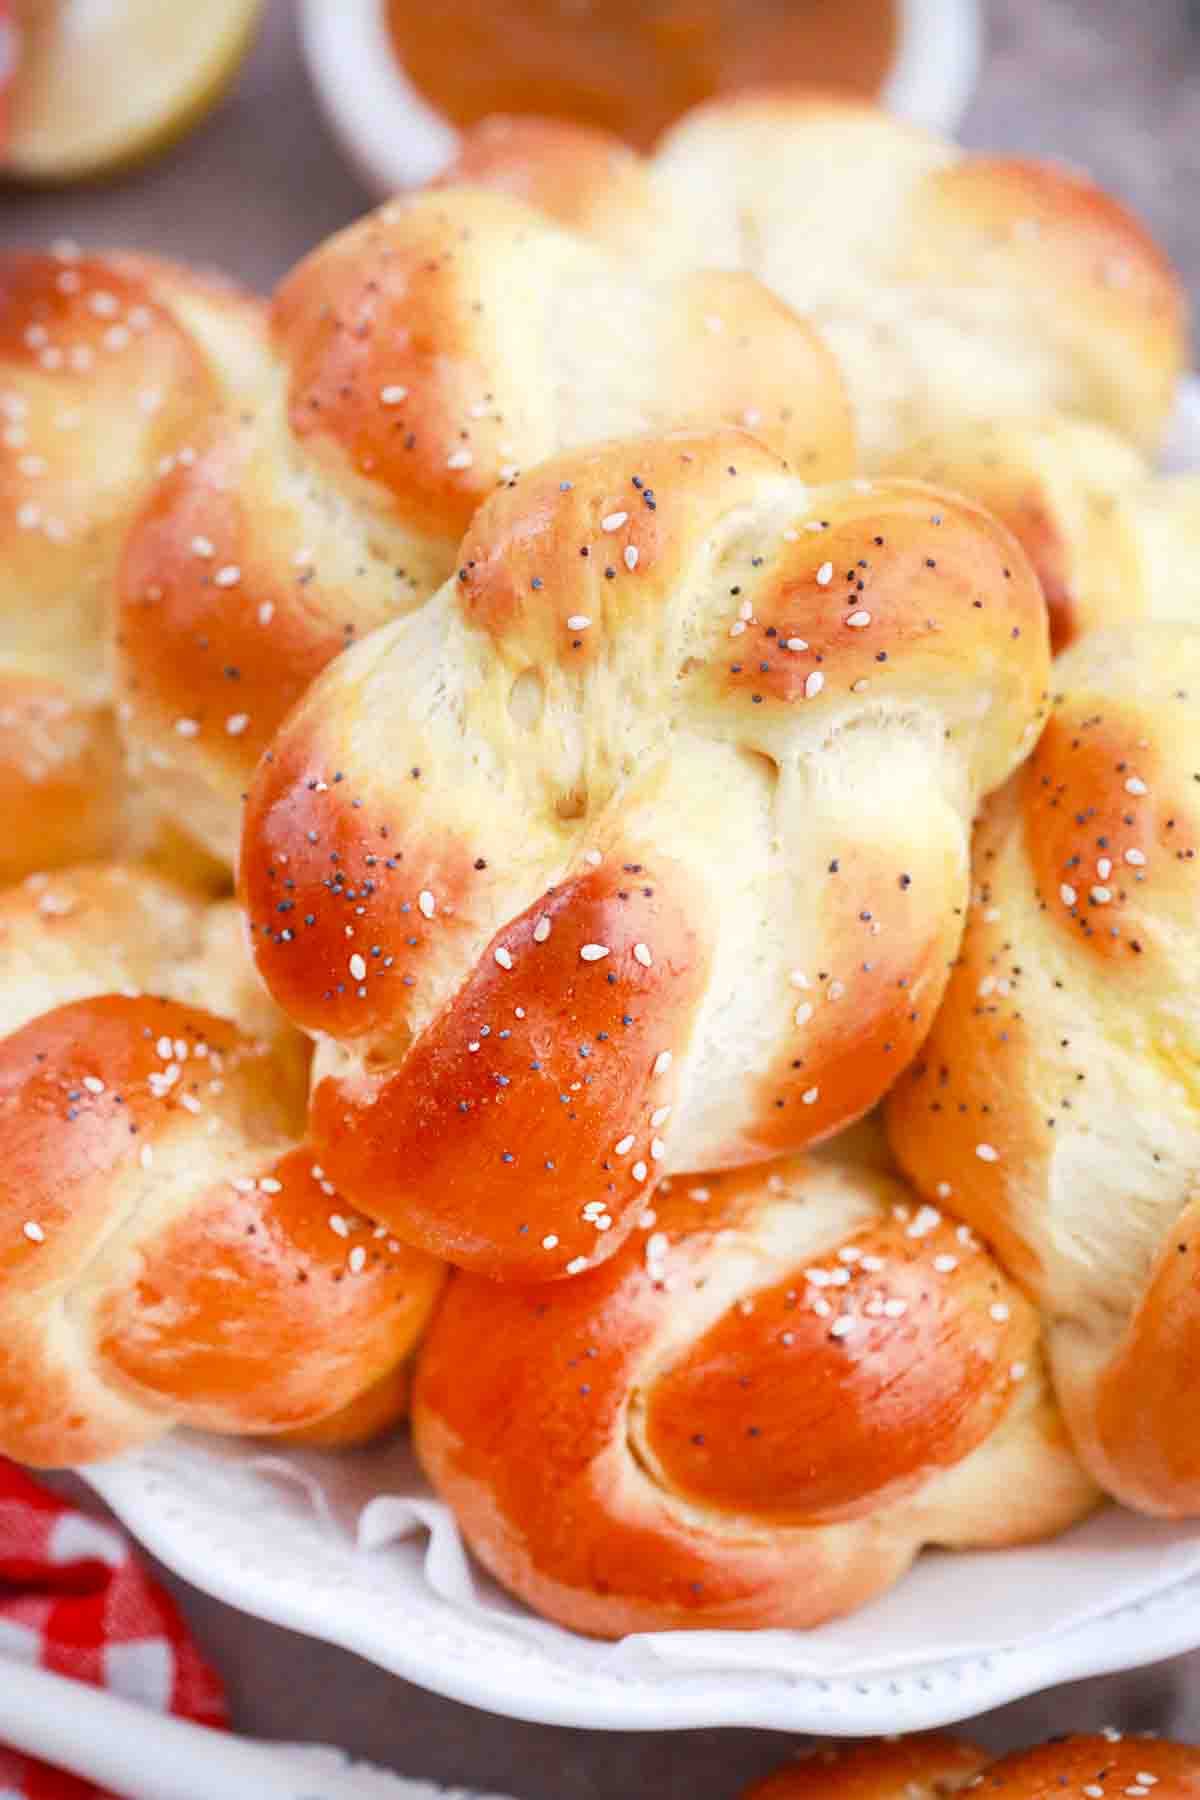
(355, 1550)
(394, 138)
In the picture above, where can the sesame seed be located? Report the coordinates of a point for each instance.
(945, 1265)
(503, 958)
(577, 1265)
(928, 1219)
(613, 521)
(358, 967)
(338, 1224)
(895, 1309)
(187, 728)
(1067, 894)
(393, 394)
(1104, 868)
(356, 1262)
(1101, 896)
(657, 1149)
(1018, 1371)
(426, 903)
(659, 1116)
(1135, 785)
(841, 1327)
(662, 1062)
(236, 723)
(999, 1312)
(146, 1156)
(642, 954)
(737, 628)
(93, 1084)
(795, 644)
(1135, 858)
(202, 546)
(631, 556)
(987, 1153)
(266, 612)
(814, 684)
(34, 1232)
(625, 1145)
(227, 577)
(825, 574)
(550, 1241)
(810, 1096)
(541, 930)
(578, 622)
(269, 1184)
(858, 620)
(639, 1171)
(804, 1012)
(593, 952)
(460, 459)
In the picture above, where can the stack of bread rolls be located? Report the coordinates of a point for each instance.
(511, 750)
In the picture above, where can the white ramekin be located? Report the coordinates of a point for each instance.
(394, 138)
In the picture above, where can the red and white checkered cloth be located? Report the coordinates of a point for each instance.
(74, 1598)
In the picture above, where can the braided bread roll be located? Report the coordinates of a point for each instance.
(951, 287)
(1106, 1766)
(644, 845)
(170, 1253)
(414, 363)
(1110, 540)
(755, 1415)
(108, 368)
(1055, 1102)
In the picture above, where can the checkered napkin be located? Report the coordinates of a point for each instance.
(74, 1598)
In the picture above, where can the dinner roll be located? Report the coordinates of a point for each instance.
(786, 1382)
(416, 362)
(1106, 1766)
(644, 845)
(950, 286)
(1055, 1104)
(170, 1251)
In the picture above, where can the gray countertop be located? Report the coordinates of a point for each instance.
(1110, 84)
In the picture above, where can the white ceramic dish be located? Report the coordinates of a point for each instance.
(356, 1551)
(394, 138)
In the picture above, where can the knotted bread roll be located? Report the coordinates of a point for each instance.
(949, 286)
(109, 366)
(644, 845)
(170, 1253)
(1056, 1104)
(1110, 540)
(755, 1415)
(1106, 1766)
(415, 362)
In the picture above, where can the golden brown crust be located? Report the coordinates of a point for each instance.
(951, 287)
(169, 1252)
(1054, 1103)
(754, 1415)
(931, 1767)
(103, 374)
(1110, 540)
(925, 1767)
(417, 361)
(469, 861)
